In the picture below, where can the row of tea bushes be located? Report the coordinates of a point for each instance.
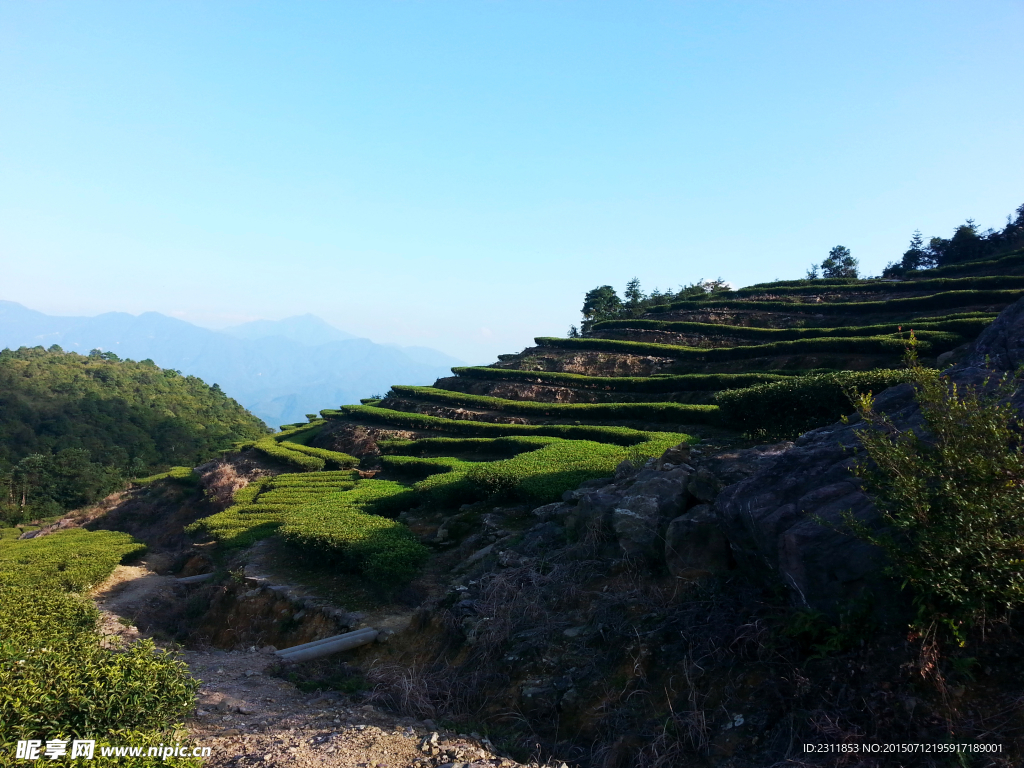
(182, 475)
(351, 529)
(540, 476)
(657, 412)
(964, 324)
(889, 286)
(786, 409)
(263, 505)
(937, 301)
(420, 421)
(688, 382)
(929, 343)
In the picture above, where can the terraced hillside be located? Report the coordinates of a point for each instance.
(766, 361)
(702, 366)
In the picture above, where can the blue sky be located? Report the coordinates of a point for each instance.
(459, 174)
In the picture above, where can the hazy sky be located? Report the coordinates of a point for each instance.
(459, 174)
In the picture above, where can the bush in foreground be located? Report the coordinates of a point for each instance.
(951, 496)
(56, 680)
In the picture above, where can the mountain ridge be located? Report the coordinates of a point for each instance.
(273, 374)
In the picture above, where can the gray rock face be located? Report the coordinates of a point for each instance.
(696, 546)
(636, 507)
(772, 517)
(636, 525)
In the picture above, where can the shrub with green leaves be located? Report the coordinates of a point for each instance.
(785, 409)
(951, 496)
(887, 286)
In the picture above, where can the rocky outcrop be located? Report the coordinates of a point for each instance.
(635, 506)
(788, 513)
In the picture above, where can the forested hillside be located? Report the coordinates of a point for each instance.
(73, 428)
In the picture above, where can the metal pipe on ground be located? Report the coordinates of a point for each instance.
(195, 579)
(315, 643)
(329, 645)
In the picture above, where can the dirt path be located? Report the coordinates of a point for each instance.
(248, 717)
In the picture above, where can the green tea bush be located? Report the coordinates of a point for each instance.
(663, 412)
(931, 342)
(417, 467)
(964, 326)
(702, 382)
(944, 300)
(56, 680)
(788, 408)
(1009, 261)
(505, 447)
(885, 286)
(350, 528)
(71, 560)
(276, 450)
(616, 435)
(182, 475)
(336, 458)
(301, 432)
(950, 496)
(539, 476)
(66, 683)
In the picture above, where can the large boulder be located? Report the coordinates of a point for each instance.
(695, 545)
(788, 515)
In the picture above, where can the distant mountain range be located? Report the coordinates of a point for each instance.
(279, 370)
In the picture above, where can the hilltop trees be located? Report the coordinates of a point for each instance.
(966, 244)
(603, 303)
(599, 304)
(839, 263)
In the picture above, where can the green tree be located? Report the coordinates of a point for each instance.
(634, 297)
(839, 263)
(599, 304)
